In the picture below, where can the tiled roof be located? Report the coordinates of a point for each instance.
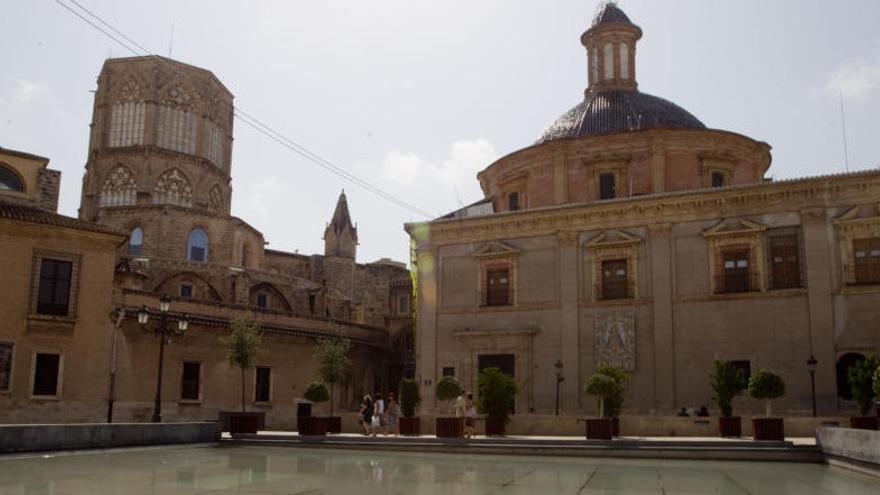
(35, 215)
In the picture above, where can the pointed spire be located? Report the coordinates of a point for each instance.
(341, 217)
(340, 236)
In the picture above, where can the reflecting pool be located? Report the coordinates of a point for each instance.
(282, 470)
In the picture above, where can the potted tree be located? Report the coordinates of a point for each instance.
(448, 426)
(861, 383)
(614, 402)
(314, 425)
(333, 362)
(410, 398)
(241, 352)
(496, 395)
(602, 387)
(727, 382)
(767, 385)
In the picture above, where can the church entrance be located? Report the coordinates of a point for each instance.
(504, 362)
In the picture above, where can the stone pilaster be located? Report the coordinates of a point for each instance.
(660, 269)
(426, 326)
(569, 319)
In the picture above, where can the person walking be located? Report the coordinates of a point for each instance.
(366, 413)
(392, 414)
(470, 416)
(379, 413)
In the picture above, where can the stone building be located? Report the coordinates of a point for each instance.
(55, 300)
(158, 171)
(631, 233)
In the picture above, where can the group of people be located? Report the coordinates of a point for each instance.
(379, 417)
(467, 409)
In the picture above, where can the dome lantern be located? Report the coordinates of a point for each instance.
(611, 50)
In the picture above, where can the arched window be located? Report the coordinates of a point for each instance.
(608, 61)
(173, 188)
(844, 363)
(177, 121)
(9, 180)
(135, 241)
(119, 188)
(197, 246)
(624, 61)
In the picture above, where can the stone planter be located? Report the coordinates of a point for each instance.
(334, 424)
(599, 429)
(730, 427)
(450, 427)
(410, 426)
(495, 427)
(864, 422)
(615, 427)
(243, 423)
(312, 426)
(768, 429)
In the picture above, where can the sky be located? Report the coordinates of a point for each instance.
(417, 96)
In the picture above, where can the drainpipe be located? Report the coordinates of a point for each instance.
(111, 396)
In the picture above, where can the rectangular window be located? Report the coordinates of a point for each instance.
(403, 304)
(735, 271)
(614, 279)
(866, 260)
(718, 179)
(53, 296)
(46, 369)
(785, 257)
(262, 300)
(607, 186)
(449, 371)
(745, 367)
(513, 201)
(497, 286)
(6, 349)
(190, 381)
(262, 390)
(186, 291)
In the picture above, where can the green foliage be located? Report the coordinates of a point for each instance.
(333, 361)
(496, 393)
(861, 383)
(316, 392)
(242, 343)
(727, 382)
(614, 402)
(877, 381)
(410, 397)
(601, 386)
(447, 390)
(766, 385)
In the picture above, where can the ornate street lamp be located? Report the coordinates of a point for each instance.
(559, 380)
(811, 367)
(160, 328)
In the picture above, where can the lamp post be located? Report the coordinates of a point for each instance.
(160, 328)
(559, 380)
(811, 367)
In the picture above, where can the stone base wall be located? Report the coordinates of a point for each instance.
(847, 444)
(35, 438)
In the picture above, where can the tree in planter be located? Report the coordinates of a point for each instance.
(727, 382)
(766, 385)
(614, 402)
(602, 387)
(410, 397)
(446, 391)
(242, 345)
(333, 361)
(496, 394)
(316, 392)
(877, 381)
(861, 383)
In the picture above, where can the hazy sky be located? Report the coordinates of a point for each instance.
(416, 96)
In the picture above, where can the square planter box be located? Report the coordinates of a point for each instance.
(450, 427)
(768, 429)
(730, 427)
(495, 427)
(334, 424)
(312, 425)
(243, 423)
(410, 426)
(864, 423)
(599, 429)
(615, 427)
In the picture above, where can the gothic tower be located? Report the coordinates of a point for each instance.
(340, 236)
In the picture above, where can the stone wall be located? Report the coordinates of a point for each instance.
(848, 444)
(43, 437)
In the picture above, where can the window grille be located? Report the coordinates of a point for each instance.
(53, 297)
(735, 273)
(614, 280)
(216, 146)
(126, 124)
(866, 262)
(607, 186)
(513, 201)
(718, 179)
(785, 255)
(176, 130)
(497, 287)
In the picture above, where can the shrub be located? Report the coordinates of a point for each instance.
(727, 382)
(861, 383)
(316, 392)
(602, 387)
(332, 357)
(496, 394)
(877, 381)
(447, 390)
(766, 385)
(410, 397)
(241, 348)
(614, 402)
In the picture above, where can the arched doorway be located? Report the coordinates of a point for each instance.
(844, 363)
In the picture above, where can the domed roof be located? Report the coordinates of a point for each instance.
(610, 13)
(607, 112)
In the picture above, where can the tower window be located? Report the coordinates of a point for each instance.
(186, 291)
(263, 300)
(607, 186)
(608, 60)
(9, 180)
(624, 61)
(719, 179)
(136, 241)
(126, 124)
(513, 201)
(197, 246)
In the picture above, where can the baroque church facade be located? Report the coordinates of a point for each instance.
(158, 177)
(630, 233)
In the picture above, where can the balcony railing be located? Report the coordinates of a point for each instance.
(610, 293)
(866, 274)
(733, 283)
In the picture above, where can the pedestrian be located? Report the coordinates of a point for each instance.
(470, 416)
(392, 413)
(379, 413)
(367, 414)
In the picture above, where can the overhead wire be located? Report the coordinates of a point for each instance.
(242, 116)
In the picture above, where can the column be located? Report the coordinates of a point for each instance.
(426, 326)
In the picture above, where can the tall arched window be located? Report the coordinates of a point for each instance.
(9, 180)
(197, 246)
(608, 61)
(173, 188)
(176, 129)
(624, 61)
(119, 188)
(135, 241)
(127, 116)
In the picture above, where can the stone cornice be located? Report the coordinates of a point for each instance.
(671, 207)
